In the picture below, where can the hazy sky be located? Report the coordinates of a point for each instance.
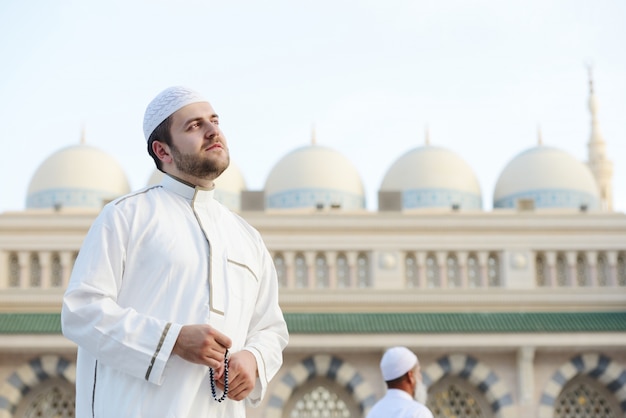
(369, 75)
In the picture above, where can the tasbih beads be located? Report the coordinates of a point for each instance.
(225, 380)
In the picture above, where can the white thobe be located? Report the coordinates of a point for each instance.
(153, 261)
(398, 404)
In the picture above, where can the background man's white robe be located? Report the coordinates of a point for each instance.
(153, 261)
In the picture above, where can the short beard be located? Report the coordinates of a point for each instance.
(196, 166)
(421, 393)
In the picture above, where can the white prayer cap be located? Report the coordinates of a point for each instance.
(396, 362)
(165, 104)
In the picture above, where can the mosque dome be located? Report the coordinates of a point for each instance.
(311, 176)
(433, 177)
(78, 176)
(228, 186)
(549, 176)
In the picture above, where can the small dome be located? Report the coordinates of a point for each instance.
(549, 176)
(78, 176)
(433, 177)
(228, 186)
(311, 176)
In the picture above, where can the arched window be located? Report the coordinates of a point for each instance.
(454, 397)
(493, 271)
(452, 271)
(541, 270)
(602, 270)
(432, 272)
(561, 271)
(319, 398)
(621, 270)
(56, 271)
(321, 272)
(584, 397)
(281, 269)
(363, 271)
(302, 277)
(54, 397)
(35, 270)
(343, 271)
(473, 271)
(581, 270)
(14, 270)
(411, 273)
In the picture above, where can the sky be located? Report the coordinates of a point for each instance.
(483, 77)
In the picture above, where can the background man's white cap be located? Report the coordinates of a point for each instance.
(396, 362)
(166, 103)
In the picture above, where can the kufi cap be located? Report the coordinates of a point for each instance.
(165, 104)
(396, 362)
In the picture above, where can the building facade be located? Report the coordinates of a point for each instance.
(519, 311)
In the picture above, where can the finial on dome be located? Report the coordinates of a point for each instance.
(426, 135)
(539, 136)
(313, 135)
(83, 139)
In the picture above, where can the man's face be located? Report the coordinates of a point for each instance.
(198, 148)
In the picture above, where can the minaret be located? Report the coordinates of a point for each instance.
(600, 165)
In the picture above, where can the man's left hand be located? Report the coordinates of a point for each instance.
(242, 371)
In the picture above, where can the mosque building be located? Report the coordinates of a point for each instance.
(514, 312)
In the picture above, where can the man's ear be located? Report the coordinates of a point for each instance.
(162, 151)
(412, 377)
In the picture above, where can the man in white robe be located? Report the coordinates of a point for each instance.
(169, 282)
(402, 374)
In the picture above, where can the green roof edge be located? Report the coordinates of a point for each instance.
(389, 323)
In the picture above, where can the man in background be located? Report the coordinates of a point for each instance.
(401, 371)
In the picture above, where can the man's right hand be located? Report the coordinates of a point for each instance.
(202, 344)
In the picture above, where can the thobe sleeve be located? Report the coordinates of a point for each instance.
(267, 335)
(117, 336)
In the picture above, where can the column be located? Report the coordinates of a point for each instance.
(551, 270)
(483, 256)
(352, 256)
(592, 268)
(611, 258)
(23, 259)
(420, 259)
(309, 257)
(66, 258)
(290, 257)
(526, 373)
(331, 262)
(441, 266)
(4, 267)
(571, 257)
(461, 257)
(44, 262)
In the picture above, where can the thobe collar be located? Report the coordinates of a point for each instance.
(399, 393)
(188, 191)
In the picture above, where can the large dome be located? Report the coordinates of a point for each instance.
(228, 186)
(549, 176)
(433, 177)
(311, 176)
(78, 176)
